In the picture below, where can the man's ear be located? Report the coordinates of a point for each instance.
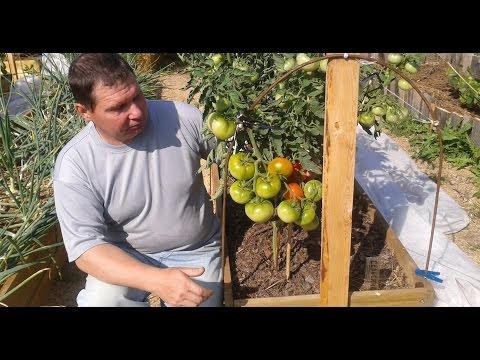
(83, 111)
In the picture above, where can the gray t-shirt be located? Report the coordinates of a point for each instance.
(146, 194)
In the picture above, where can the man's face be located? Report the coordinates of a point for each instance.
(120, 112)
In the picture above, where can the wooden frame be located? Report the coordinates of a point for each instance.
(420, 293)
(36, 290)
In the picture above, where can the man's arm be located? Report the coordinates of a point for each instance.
(112, 265)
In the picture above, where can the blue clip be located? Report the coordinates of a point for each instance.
(432, 275)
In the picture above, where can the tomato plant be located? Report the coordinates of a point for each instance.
(281, 166)
(241, 166)
(259, 210)
(267, 185)
(288, 211)
(221, 127)
(313, 190)
(240, 192)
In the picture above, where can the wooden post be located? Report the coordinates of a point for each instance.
(338, 179)
(12, 67)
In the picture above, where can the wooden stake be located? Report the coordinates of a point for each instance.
(289, 249)
(338, 175)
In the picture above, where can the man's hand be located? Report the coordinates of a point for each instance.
(176, 288)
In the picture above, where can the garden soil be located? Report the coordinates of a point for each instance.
(250, 244)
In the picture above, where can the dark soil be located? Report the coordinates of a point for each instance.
(253, 274)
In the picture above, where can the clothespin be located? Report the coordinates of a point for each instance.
(432, 275)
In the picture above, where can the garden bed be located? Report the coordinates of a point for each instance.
(35, 291)
(381, 271)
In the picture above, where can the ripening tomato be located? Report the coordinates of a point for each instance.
(240, 192)
(288, 211)
(241, 166)
(296, 189)
(259, 210)
(280, 165)
(299, 174)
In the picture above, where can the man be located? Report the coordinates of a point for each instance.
(134, 212)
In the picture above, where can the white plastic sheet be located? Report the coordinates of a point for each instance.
(405, 197)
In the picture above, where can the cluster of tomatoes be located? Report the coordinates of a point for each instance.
(282, 183)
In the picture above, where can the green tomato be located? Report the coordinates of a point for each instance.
(392, 116)
(284, 104)
(313, 190)
(404, 85)
(366, 119)
(312, 225)
(303, 58)
(307, 215)
(240, 192)
(403, 113)
(289, 64)
(288, 211)
(241, 166)
(222, 104)
(217, 59)
(394, 58)
(268, 185)
(411, 68)
(209, 119)
(259, 210)
(379, 110)
(222, 128)
(254, 78)
(323, 66)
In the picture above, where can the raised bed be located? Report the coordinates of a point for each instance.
(417, 291)
(34, 292)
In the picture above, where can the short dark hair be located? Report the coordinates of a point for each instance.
(90, 69)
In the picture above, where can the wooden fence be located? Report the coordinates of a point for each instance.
(413, 102)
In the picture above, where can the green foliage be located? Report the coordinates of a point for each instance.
(289, 120)
(459, 150)
(467, 86)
